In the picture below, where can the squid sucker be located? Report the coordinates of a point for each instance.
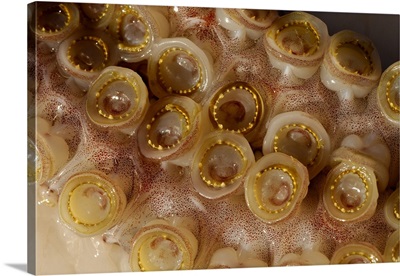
(186, 138)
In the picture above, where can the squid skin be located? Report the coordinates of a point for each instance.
(154, 155)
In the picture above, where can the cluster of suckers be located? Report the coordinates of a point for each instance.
(231, 124)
